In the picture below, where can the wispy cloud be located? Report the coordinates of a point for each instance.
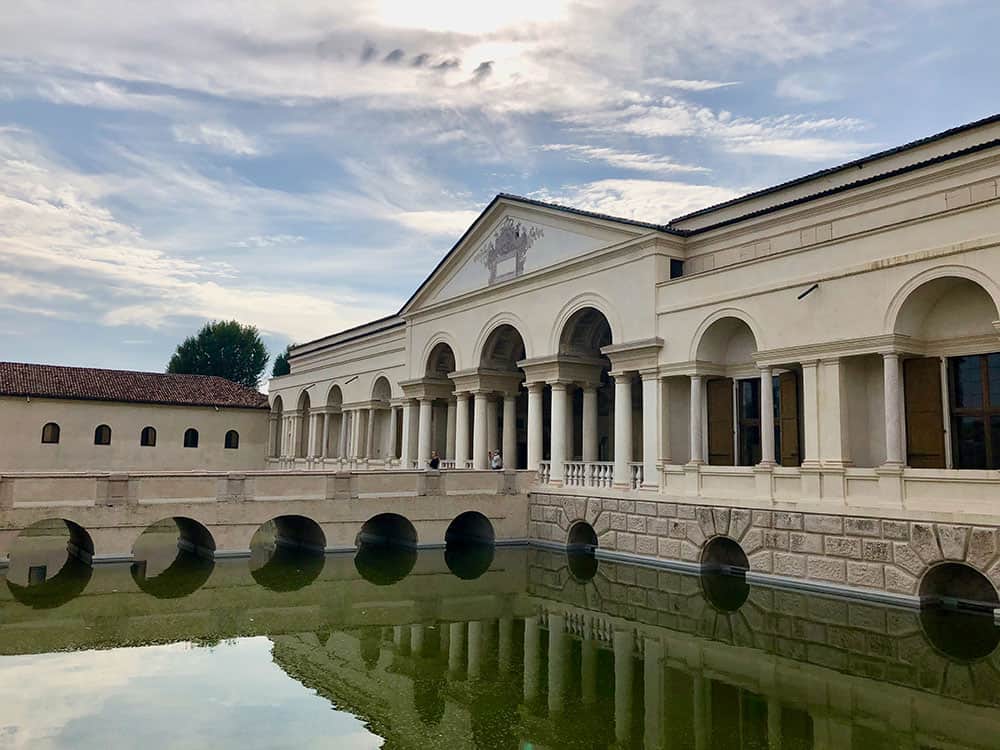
(689, 85)
(627, 160)
(224, 138)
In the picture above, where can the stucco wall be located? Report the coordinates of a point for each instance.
(21, 447)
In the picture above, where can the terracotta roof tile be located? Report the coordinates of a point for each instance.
(92, 384)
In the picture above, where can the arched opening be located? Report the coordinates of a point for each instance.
(173, 558)
(232, 441)
(50, 434)
(50, 563)
(335, 414)
(957, 604)
(591, 399)
(724, 566)
(501, 352)
(302, 437)
(102, 435)
(733, 396)
(444, 439)
(277, 430)
(936, 315)
(287, 553)
(581, 546)
(190, 438)
(147, 438)
(382, 439)
(387, 549)
(469, 545)
(440, 362)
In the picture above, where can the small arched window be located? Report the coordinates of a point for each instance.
(148, 437)
(50, 433)
(190, 438)
(233, 439)
(102, 435)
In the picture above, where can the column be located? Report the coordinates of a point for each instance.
(358, 430)
(650, 429)
(590, 440)
(570, 442)
(390, 448)
(558, 432)
(456, 646)
(493, 424)
(623, 685)
(833, 439)
(588, 670)
(535, 429)
(557, 663)
(505, 638)
(666, 455)
(449, 440)
(272, 437)
(406, 456)
(424, 440)
(475, 649)
(652, 674)
(342, 440)
(299, 426)
(773, 724)
(509, 452)
(623, 429)
(810, 414)
(370, 445)
(417, 640)
(479, 439)
(532, 657)
(766, 417)
(696, 426)
(461, 429)
(324, 450)
(893, 413)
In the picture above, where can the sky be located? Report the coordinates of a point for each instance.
(303, 165)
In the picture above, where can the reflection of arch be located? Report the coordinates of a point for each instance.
(726, 339)
(898, 319)
(469, 548)
(471, 526)
(67, 584)
(440, 361)
(292, 548)
(957, 585)
(288, 569)
(497, 321)
(185, 575)
(579, 303)
(381, 390)
(383, 564)
(585, 332)
(582, 537)
(960, 636)
(388, 529)
(723, 581)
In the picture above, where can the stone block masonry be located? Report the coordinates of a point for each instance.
(881, 556)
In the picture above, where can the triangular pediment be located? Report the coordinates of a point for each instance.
(510, 240)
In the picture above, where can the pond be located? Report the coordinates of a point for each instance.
(472, 646)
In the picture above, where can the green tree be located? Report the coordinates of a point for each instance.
(227, 348)
(281, 366)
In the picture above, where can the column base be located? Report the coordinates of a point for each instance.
(764, 480)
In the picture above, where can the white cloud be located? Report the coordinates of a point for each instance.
(813, 88)
(269, 240)
(440, 223)
(690, 85)
(637, 162)
(224, 138)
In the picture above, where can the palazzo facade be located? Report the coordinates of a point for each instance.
(830, 345)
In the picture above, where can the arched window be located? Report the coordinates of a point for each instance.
(233, 439)
(148, 436)
(50, 433)
(190, 438)
(102, 435)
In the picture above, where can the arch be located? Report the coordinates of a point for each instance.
(440, 360)
(503, 349)
(287, 553)
(388, 529)
(578, 303)
(180, 549)
(28, 577)
(232, 440)
(335, 396)
(191, 535)
(724, 566)
(502, 319)
(79, 543)
(729, 337)
(469, 545)
(961, 636)
(304, 404)
(102, 435)
(581, 543)
(186, 574)
(723, 554)
(892, 320)
(471, 526)
(585, 332)
(64, 586)
(381, 390)
(277, 405)
(190, 438)
(50, 434)
(582, 537)
(957, 585)
(147, 438)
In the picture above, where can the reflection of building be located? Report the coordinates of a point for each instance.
(85, 419)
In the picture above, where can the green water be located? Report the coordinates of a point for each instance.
(479, 648)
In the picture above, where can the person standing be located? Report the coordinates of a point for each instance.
(435, 461)
(496, 461)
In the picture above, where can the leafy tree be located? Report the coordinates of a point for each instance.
(281, 366)
(224, 348)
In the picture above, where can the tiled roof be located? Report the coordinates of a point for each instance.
(91, 384)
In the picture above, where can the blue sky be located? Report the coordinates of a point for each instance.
(303, 165)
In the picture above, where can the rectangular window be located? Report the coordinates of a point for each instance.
(748, 426)
(975, 410)
(676, 268)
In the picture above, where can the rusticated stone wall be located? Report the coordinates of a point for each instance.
(851, 551)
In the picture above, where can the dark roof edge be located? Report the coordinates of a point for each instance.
(356, 328)
(990, 120)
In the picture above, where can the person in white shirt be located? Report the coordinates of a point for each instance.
(496, 462)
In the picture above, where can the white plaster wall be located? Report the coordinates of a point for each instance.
(21, 447)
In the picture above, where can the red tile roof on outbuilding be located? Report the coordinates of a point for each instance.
(92, 384)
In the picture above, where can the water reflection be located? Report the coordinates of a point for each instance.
(468, 559)
(960, 635)
(187, 573)
(582, 564)
(282, 568)
(724, 591)
(49, 593)
(384, 564)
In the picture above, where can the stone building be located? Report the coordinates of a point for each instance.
(84, 419)
(825, 353)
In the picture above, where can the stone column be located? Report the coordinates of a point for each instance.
(272, 436)
(505, 638)
(390, 448)
(456, 647)
(590, 437)
(696, 425)
(342, 440)
(532, 657)
(535, 428)
(893, 413)
(623, 685)
(766, 417)
(557, 663)
(810, 414)
(461, 429)
(370, 444)
(408, 427)
(588, 670)
(702, 712)
(481, 436)
(623, 429)
(509, 453)
(424, 439)
(325, 447)
(650, 429)
(493, 424)
(358, 428)
(475, 649)
(666, 455)
(417, 640)
(558, 432)
(449, 440)
(570, 437)
(833, 442)
(652, 674)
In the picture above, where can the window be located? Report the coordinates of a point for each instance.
(102, 435)
(148, 437)
(975, 411)
(233, 439)
(748, 421)
(190, 438)
(50, 433)
(676, 268)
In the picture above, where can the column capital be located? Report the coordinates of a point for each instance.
(536, 386)
(650, 373)
(561, 385)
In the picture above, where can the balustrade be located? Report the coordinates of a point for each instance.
(544, 469)
(635, 475)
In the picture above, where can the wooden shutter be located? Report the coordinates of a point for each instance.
(924, 413)
(788, 419)
(720, 422)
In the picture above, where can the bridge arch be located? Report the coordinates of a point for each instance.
(287, 553)
(386, 549)
(724, 566)
(581, 545)
(50, 563)
(469, 545)
(173, 557)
